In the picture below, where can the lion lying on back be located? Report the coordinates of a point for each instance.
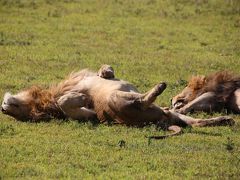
(85, 95)
(210, 93)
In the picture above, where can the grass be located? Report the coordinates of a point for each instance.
(146, 41)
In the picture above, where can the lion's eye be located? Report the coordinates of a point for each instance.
(180, 100)
(14, 105)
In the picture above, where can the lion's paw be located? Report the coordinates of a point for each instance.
(106, 72)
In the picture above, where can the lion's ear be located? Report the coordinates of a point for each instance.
(203, 78)
(200, 82)
(197, 82)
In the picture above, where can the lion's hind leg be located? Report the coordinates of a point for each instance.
(76, 106)
(135, 108)
(174, 121)
(193, 122)
(141, 101)
(149, 97)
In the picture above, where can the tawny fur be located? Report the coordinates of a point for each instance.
(85, 94)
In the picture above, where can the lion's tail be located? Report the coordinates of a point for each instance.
(176, 131)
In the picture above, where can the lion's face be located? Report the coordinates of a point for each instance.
(17, 106)
(183, 98)
(31, 104)
(189, 93)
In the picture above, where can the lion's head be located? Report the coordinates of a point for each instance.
(33, 104)
(193, 90)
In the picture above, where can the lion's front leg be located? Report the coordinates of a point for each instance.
(76, 106)
(106, 72)
(206, 102)
(234, 102)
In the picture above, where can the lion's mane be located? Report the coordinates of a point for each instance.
(223, 83)
(43, 102)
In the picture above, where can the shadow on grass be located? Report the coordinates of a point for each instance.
(206, 133)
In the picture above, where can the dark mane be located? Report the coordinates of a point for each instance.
(223, 83)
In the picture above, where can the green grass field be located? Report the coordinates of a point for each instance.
(146, 41)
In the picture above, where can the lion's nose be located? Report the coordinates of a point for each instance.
(3, 110)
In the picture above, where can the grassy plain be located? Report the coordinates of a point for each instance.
(146, 41)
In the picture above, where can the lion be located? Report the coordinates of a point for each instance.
(85, 94)
(213, 93)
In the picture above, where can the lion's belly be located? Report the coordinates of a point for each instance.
(104, 112)
(100, 91)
